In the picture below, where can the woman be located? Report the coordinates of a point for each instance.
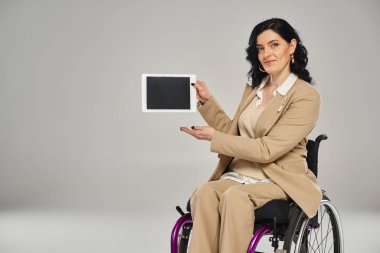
(262, 149)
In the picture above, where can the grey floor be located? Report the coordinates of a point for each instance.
(57, 231)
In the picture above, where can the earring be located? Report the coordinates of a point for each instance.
(261, 69)
(292, 58)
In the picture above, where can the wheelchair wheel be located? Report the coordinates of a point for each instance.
(323, 233)
(184, 238)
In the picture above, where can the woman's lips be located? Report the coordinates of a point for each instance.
(267, 62)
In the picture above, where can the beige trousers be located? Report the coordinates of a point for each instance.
(223, 214)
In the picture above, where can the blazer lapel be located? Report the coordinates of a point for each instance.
(234, 126)
(270, 115)
(248, 100)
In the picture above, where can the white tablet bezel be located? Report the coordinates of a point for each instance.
(193, 97)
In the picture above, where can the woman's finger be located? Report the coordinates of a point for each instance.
(202, 91)
(185, 129)
(199, 127)
(200, 85)
(199, 132)
(195, 133)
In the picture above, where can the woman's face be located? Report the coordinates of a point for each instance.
(274, 52)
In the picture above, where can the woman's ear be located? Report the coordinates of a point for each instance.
(293, 45)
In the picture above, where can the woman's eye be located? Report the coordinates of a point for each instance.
(274, 45)
(259, 49)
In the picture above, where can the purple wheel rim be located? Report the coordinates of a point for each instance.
(264, 230)
(186, 219)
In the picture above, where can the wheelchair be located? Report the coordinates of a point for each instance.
(288, 228)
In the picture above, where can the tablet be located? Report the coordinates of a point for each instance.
(168, 93)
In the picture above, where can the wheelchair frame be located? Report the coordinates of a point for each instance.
(299, 233)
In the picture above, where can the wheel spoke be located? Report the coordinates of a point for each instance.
(315, 232)
(323, 234)
(321, 224)
(331, 246)
(323, 240)
(323, 243)
(328, 228)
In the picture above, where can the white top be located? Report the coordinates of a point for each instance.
(247, 130)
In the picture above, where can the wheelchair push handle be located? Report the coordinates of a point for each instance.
(178, 208)
(321, 138)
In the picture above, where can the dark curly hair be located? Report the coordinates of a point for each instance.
(287, 32)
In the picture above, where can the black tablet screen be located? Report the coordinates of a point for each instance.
(168, 92)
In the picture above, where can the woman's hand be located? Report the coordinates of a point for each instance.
(203, 93)
(200, 132)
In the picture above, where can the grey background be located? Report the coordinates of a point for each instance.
(73, 137)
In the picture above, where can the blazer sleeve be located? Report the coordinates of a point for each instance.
(294, 125)
(215, 116)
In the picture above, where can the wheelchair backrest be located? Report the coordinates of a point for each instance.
(312, 153)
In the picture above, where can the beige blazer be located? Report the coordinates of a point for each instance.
(279, 144)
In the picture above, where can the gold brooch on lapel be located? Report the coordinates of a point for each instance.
(282, 103)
